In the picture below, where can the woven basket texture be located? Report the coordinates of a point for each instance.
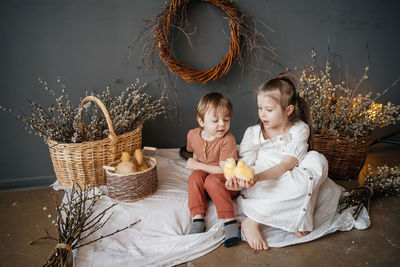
(83, 162)
(132, 187)
(345, 158)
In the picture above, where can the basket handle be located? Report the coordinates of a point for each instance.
(103, 108)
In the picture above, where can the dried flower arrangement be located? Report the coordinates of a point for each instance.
(385, 181)
(341, 111)
(77, 219)
(61, 122)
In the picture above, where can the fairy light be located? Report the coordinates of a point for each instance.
(374, 110)
(340, 109)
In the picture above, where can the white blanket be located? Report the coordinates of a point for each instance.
(160, 239)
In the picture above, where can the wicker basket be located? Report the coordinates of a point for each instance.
(135, 186)
(83, 162)
(345, 158)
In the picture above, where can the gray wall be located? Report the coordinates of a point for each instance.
(85, 42)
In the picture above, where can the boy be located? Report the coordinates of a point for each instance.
(212, 144)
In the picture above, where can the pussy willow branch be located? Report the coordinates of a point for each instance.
(383, 181)
(76, 221)
(61, 122)
(113, 233)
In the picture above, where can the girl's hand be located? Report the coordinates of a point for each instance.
(255, 179)
(246, 184)
(191, 164)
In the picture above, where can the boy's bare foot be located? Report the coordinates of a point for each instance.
(301, 234)
(251, 231)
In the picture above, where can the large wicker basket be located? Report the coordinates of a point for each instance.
(345, 158)
(135, 186)
(83, 162)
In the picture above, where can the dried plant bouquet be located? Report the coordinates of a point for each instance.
(77, 220)
(384, 181)
(61, 123)
(339, 110)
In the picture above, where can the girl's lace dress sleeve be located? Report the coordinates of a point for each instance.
(296, 143)
(249, 146)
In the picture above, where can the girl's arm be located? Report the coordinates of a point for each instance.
(193, 164)
(294, 151)
(287, 163)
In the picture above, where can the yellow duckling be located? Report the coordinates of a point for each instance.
(126, 166)
(243, 171)
(229, 167)
(142, 165)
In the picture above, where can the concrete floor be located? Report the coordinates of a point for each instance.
(23, 219)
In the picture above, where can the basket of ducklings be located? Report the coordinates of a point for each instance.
(131, 178)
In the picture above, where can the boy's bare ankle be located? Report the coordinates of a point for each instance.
(199, 216)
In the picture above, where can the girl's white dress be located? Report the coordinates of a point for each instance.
(287, 202)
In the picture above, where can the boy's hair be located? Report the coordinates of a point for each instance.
(285, 84)
(214, 100)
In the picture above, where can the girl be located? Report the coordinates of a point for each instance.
(284, 190)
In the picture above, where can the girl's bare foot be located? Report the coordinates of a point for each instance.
(301, 234)
(251, 231)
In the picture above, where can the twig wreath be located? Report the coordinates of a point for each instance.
(162, 32)
(247, 45)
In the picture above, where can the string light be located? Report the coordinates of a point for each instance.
(341, 110)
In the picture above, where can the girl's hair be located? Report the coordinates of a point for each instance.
(286, 85)
(214, 100)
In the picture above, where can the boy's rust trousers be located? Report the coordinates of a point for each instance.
(202, 183)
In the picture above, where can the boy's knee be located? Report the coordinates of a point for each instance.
(213, 183)
(197, 176)
(210, 185)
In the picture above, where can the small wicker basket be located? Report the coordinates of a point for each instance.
(83, 162)
(132, 187)
(345, 158)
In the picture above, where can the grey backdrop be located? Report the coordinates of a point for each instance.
(85, 43)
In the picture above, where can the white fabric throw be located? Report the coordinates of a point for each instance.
(160, 239)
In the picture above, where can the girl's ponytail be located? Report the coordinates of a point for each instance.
(302, 110)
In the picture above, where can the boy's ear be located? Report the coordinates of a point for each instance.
(289, 110)
(200, 121)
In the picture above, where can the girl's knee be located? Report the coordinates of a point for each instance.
(315, 158)
(316, 163)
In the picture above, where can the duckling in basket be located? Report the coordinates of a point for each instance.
(126, 166)
(141, 164)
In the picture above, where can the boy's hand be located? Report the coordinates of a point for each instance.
(233, 184)
(236, 184)
(191, 164)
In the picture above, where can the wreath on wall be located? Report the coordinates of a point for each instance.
(247, 44)
(162, 33)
